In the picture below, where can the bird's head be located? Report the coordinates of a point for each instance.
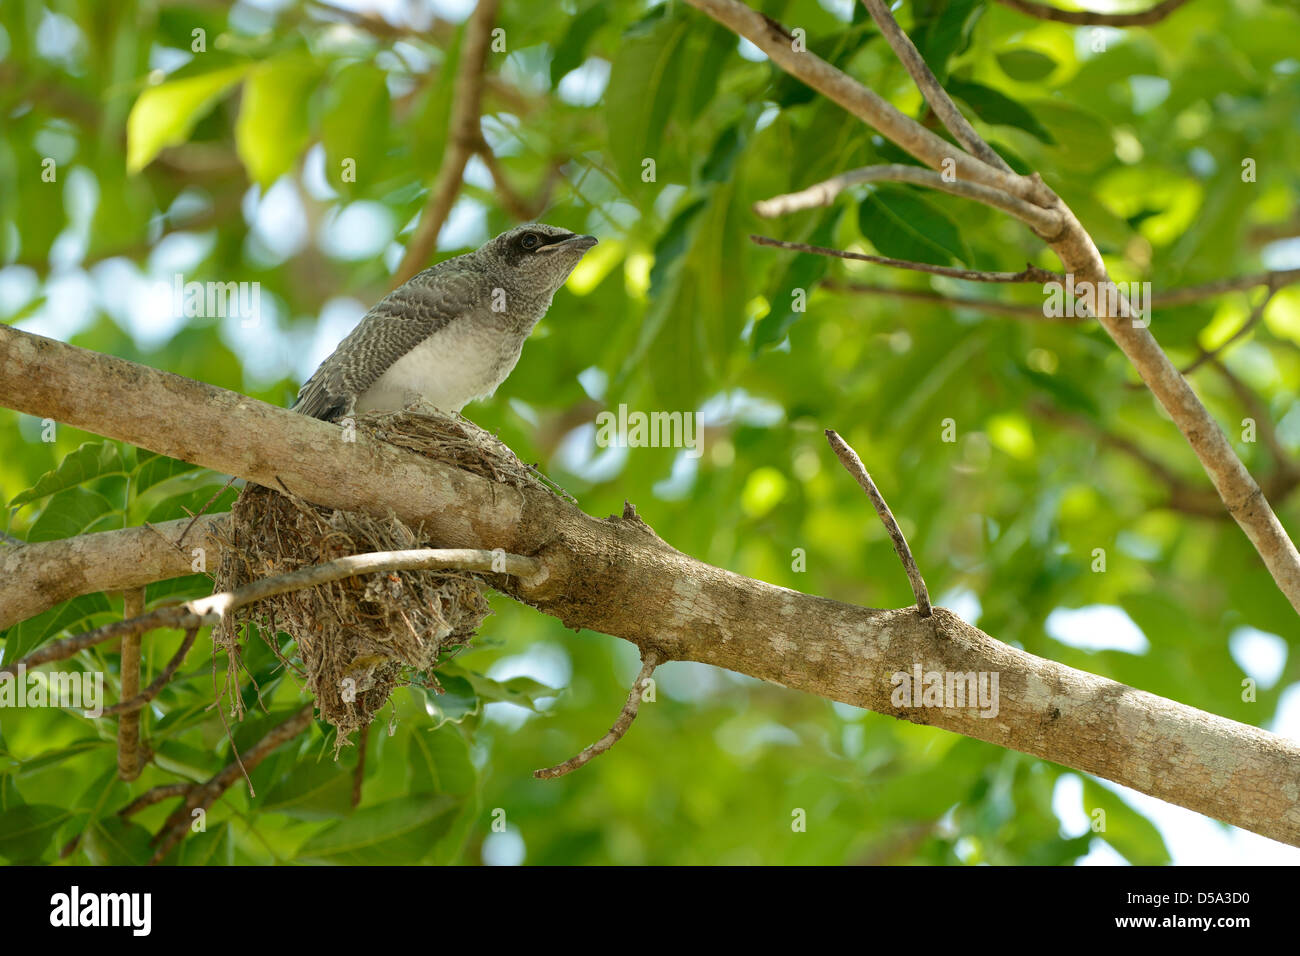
(537, 258)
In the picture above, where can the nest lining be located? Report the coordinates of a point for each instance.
(358, 639)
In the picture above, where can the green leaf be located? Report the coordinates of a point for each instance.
(1026, 65)
(523, 691)
(30, 634)
(92, 460)
(71, 512)
(1132, 835)
(946, 31)
(151, 470)
(112, 841)
(456, 702)
(571, 50)
(804, 271)
(902, 225)
(639, 97)
(272, 129)
(164, 115)
(355, 124)
(440, 763)
(397, 831)
(312, 791)
(998, 108)
(213, 847)
(25, 831)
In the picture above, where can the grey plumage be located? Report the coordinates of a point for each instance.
(452, 333)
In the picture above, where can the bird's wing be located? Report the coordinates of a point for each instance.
(400, 321)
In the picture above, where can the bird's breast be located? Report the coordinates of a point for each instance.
(457, 364)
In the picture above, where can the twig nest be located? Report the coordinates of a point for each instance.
(353, 641)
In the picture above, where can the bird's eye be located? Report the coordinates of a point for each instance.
(530, 240)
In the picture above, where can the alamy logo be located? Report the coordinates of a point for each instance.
(242, 300)
(649, 430)
(79, 689)
(103, 909)
(1061, 299)
(948, 689)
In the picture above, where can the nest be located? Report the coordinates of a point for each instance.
(355, 640)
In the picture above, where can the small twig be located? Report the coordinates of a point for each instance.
(1251, 321)
(650, 659)
(128, 727)
(1043, 221)
(1031, 273)
(203, 796)
(853, 465)
(940, 102)
(131, 706)
(512, 201)
(156, 795)
(1256, 408)
(210, 610)
(1086, 18)
(1013, 309)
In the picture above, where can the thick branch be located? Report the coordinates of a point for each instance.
(1078, 253)
(930, 148)
(616, 577)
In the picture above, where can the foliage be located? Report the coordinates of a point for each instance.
(172, 161)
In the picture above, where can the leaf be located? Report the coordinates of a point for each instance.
(1132, 835)
(998, 109)
(312, 791)
(1084, 139)
(26, 831)
(639, 97)
(69, 513)
(30, 634)
(804, 271)
(902, 225)
(213, 847)
(354, 125)
(164, 115)
(722, 158)
(396, 831)
(151, 470)
(92, 460)
(272, 128)
(440, 763)
(1026, 65)
(456, 702)
(523, 691)
(946, 31)
(571, 51)
(112, 841)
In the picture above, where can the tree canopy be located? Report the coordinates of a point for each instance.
(1046, 496)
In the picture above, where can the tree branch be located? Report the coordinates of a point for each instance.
(463, 137)
(1086, 18)
(1044, 222)
(1031, 272)
(853, 465)
(650, 660)
(1078, 253)
(614, 577)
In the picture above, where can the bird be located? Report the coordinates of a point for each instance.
(450, 334)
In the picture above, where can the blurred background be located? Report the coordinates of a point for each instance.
(143, 141)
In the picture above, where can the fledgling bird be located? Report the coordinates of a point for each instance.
(452, 333)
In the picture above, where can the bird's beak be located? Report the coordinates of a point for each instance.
(580, 243)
